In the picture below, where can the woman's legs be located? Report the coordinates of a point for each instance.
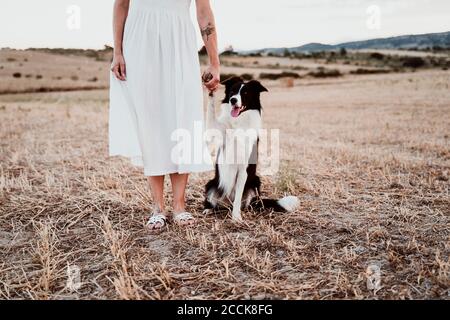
(179, 183)
(156, 184)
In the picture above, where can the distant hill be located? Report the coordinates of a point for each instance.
(421, 41)
(104, 54)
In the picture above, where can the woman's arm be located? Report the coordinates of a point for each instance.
(120, 16)
(207, 25)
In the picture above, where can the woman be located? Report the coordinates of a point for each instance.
(156, 94)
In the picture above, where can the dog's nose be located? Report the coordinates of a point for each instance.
(233, 101)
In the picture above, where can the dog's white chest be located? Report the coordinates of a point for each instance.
(227, 180)
(239, 141)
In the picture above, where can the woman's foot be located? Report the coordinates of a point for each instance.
(157, 222)
(183, 219)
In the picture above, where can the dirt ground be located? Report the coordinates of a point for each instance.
(369, 157)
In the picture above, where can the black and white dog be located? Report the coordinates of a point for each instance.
(236, 182)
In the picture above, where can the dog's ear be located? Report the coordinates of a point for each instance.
(257, 86)
(228, 83)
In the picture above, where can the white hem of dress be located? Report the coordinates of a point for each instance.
(149, 173)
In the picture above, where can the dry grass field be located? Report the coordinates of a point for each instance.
(368, 155)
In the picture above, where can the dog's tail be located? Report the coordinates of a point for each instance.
(286, 204)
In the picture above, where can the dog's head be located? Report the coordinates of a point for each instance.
(242, 96)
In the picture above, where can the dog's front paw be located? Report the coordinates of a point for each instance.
(208, 212)
(237, 217)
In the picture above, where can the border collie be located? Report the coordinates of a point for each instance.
(236, 183)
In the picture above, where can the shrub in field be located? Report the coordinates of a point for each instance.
(398, 69)
(237, 65)
(74, 78)
(369, 71)
(439, 62)
(225, 76)
(276, 76)
(94, 79)
(325, 73)
(17, 75)
(245, 76)
(28, 76)
(286, 53)
(413, 62)
(39, 77)
(269, 76)
(318, 54)
(377, 56)
(300, 55)
(11, 59)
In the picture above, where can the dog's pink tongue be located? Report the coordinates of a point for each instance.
(235, 112)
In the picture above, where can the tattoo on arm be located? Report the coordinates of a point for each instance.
(208, 30)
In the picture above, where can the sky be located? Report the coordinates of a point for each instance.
(244, 24)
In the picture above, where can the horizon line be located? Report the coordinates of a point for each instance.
(235, 49)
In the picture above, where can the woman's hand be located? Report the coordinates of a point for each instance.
(211, 78)
(118, 67)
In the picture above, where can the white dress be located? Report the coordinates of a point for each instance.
(156, 115)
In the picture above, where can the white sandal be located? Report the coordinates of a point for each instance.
(183, 218)
(157, 218)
